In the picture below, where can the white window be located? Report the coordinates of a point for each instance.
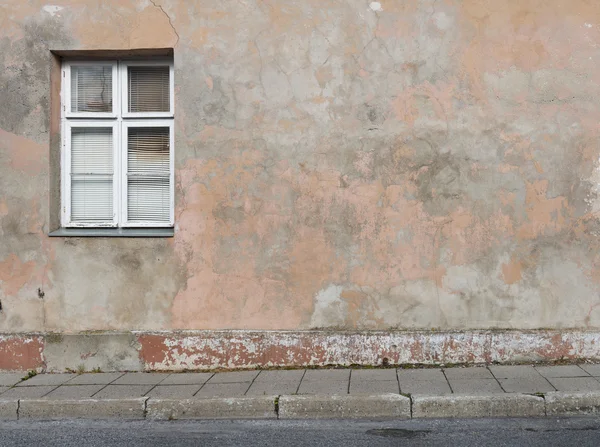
(117, 157)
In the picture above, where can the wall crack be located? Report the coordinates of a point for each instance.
(169, 19)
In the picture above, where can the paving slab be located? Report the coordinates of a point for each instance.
(348, 407)
(223, 390)
(574, 383)
(374, 387)
(8, 408)
(74, 392)
(331, 375)
(223, 408)
(567, 404)
(82, 408)
(374, 374)
(468, 373)
(33, 392)
(174, 391)
(475, 406)
(275, 388)
(47, 379)
(434, 387)
(187, 379)
(10, 379)
(323, 387)
(95, 378)
(526, 385)
(280, 376)
(421, 375)
(3, 389)
(514, 372)
(123, 391)
(475, 386)
(141, 378)
(561, 371)
(234, 377)
(593, 370)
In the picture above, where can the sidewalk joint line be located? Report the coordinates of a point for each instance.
(447, 381)
(300, 383)
(546, 379)
(252, 383)
(109, 383)
(155, 385)
(495, 378)
(349, 380)
(202, 385)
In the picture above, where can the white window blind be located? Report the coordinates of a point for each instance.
(149, 88)
(148, 174)
(91, 88)
(91, 174)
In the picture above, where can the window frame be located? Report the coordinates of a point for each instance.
(66, 89)
(119, 122)
(123, 71)
(123, 174)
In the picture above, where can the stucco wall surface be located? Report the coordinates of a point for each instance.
(339, 164)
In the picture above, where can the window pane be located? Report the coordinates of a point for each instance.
(91, 174)
(148, 174)
(91, 88)
(148, 89)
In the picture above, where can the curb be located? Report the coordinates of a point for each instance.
(344, 407)
(477, 406)
(263, 407)
(567, 404)
(82, 408)
(367, 406)
(9, 409)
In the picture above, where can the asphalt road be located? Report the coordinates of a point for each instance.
(579, 432)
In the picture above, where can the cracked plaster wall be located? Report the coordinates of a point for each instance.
(339, 164)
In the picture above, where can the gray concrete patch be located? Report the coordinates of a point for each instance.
(475, 406)
(32, 392)
(95, 378)
(331, 375)
(187, 379)
(526, 385)
(10, 379)
(323, 387)
(422, 387)
(82, 408)
(174, 391)
(420, 375)
(475, 386)
(474, 372)
(344, 406)
(223, 408)
(74, 392)
(123, 391)
(234, 377)
(141, 379)
(280, 376)
(565, 404)
(561, 371)
(47, 379)
(514, 372)
(110, 351)
(374, 386)
(275, 388)
(223, 389)
(574, 384)
(374, 374)
(8, 408)
(593, 370)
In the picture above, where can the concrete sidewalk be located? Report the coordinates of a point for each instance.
(312, 393)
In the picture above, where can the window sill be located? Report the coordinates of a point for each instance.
(113, 232)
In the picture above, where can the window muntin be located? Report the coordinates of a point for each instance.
(117, 171)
